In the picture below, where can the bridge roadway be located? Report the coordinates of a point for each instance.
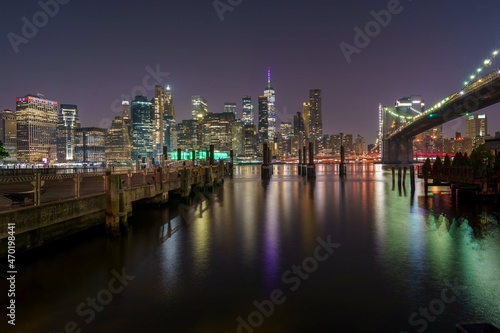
(101, 198)
(482, 93)
(485, 91)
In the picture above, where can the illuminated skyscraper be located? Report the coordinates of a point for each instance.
(159, 103)
(169, 103)
(142, 127)
(68, 122)
(476, 128)
(8, 133)
(199, 107)
(90, 143)
(119, 139)
(247, 117)
(230, 108)
(270, 94)
(316, 117)
(263, 119)
(170, 123)
(36, 119)
(306, 117)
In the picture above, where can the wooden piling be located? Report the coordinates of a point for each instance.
(342, 162)
(311, 169)
(412, 178)
(265, 171)
(300, 162)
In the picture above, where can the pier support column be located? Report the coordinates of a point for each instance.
(300, 162)
(114, 203)
(304, 164)
(342, 162)
(412, 178)
(185, 185)
(37, 189)
(398, 150)
(212, 151)
(265, 169)
(311, 168)
(77, 180)
(231, 163)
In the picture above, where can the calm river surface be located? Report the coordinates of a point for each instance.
(288, 255)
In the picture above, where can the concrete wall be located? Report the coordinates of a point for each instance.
(39, 225)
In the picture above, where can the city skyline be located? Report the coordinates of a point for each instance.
(96, 81)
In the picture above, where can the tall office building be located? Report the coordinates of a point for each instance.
(125, 110)
(247, 108)
(298, 124)
(270, 94)
(230, 108)
(8, 133)
(159, 106)
(68, 122)
(188, 134)
(199, 107)
(36, 119)
(238, 138)
(216, 130)
(359, 145)
(90, 145)
(251, 140)
(316, 117)
(347, 142)
(263, 119)
(118, 139)
(476, 128)
(169, 103)
(142, 127)
(170, 123)
(306, 116)
(285, 138)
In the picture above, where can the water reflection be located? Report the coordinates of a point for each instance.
(199, 273)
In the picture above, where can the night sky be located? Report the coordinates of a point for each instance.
(91, 53)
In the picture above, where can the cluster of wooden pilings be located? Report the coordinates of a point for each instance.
(306, 169)
(402, 177)
(119, 199)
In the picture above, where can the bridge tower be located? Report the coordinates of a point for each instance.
(397, 150)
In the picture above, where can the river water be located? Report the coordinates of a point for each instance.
(287, 255)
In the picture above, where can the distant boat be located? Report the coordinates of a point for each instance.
(22, 197)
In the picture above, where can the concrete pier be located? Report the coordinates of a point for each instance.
(109, 205)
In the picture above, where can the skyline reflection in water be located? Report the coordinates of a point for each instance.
(398, 252)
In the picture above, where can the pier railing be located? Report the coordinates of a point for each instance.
(28, 188)
(456, 174)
